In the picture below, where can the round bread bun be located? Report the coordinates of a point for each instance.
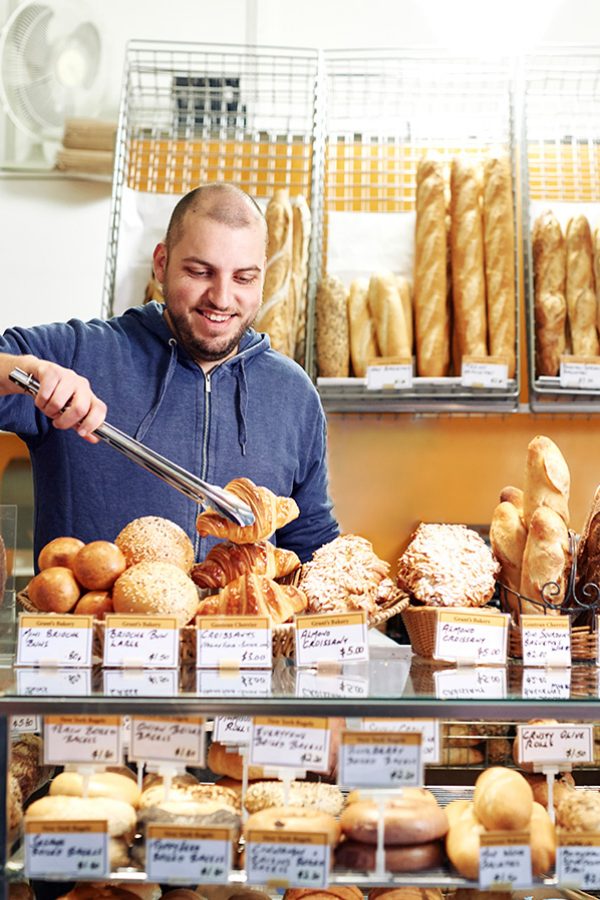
(94, 603)
(54, 590)
(154, 539)
(325, 797)
(294, 818)
(59, 552)
(120, 816)
(98, 565)
(407, 820)
(100, 784)
(156, 588)
(223, 761)
(361, 857)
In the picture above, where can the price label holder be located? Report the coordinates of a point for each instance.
(390, 373)
(555, 745)
(474, 637)
(228, 642)
(294, 742)
(232, 729)
(95, 740)
(141, 682)
(471, 683)
(289, 859)
(578, 860)
(54, 682)
(580, 372)
(234, 683)
(504, 859)
(546, 641)
(188, 853)
(380, 759)
(24, 725)
(66, 850)
(484, 372)
(328, 638)
(54, 641)
(142, 642)
(546, 684)
(177, 739)
(428, 728)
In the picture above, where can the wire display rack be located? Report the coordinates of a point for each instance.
(560, 172)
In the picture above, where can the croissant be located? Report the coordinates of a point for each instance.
(270, 513)
(227, 561)
(255, 595)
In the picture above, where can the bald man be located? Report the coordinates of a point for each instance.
(191, 379)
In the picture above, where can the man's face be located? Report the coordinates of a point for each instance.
(212, 281)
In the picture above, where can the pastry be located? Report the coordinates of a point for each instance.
(59, 552)
(255, 595)
(98, 565)
(270, 514)
(227, 561)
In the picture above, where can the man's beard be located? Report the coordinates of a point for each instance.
(211, 350)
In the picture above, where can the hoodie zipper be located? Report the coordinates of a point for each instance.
(204, 458)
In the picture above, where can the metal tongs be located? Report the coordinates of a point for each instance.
(223, 502)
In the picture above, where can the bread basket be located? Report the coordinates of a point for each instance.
(421, 621)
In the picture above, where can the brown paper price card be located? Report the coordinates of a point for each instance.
(428, 728)
(186, 853)
(484, 372)
(556, 744)
(178, 739)
(242, 642)
(82, 739)
(296, 742)
(331, 638)
(504, 859)
(142, 642)
(546, 640)
(471, 637)
(580, 372)
(69, 850)
(578, 860)
(60, 641)
(380, 759)
(292, 859)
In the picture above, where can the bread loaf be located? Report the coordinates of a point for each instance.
(547, 479)
(386, 310)
(363, 344)
(596, 258)
(502, 800)
(550, 305)
(406, 299)
(507, 539)
(332, 329)
(582, 309)
(546, 562)
(301, 229)
(432, 321)
(274, 314)
(499, 252)
(588, 551)
(466, 242)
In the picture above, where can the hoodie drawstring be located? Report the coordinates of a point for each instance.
(242, 399)
(150, 416)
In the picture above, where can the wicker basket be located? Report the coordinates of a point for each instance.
(420, 623)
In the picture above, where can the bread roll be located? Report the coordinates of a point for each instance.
(499, 253)
(99, 892)
(432, 321)
(466, 242)
(274, 314)
(59, 552)
(387, 313)
(94, 603)
(54, 590)
(550, 305)
(100, 784)
(507, 538)
(542, 840)
(301, 229)
(462, 841)
(461, 756)
(579, 812)
(98, 565)
(405, 893)
(582, 309)
(20, 890)
(340, 891)
(502, 800)
(332, 329)
(547, 479)
(143, 891)
(156, 588)
(120, 816)
(363, 344)
(498, 751)
(154, 539)
(546, 562)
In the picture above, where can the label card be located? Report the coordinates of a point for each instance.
(578, 860)
(25, 724)
(61, 641)
(546, 640)
(484, 372)
(289, 859)
(54, 682)
(389, 373)
(310, 683)
(552, 744)
(429, 729)
(187, 853)
(471, 637)
(178, 739)
(331, 638)
(380, 759)
(471, 683)
(141, 682)
(546, 684)
(234, 683)
(66, 850)
(232, 729)
(234, 642)
(82, 739)
(142, 642)
(504, 859)
(582, 372)
(300, 743)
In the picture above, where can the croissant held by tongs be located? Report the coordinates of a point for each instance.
(270, 513)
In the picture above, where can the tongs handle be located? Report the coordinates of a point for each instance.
(223, 502)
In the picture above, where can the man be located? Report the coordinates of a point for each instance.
(191, 379)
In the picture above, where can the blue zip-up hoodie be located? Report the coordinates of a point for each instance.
(256, 415)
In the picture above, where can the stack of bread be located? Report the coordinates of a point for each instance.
(475, 743)
(26, 775)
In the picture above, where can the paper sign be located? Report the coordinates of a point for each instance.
(546, 640)
(66, 850)
(390, 373)
(471, 683)
(331, 638)
(550, 744)
(477, 637)
(546, 684)
(301, 743)
(82, 739)
(141, 683)
(186, 853)
(504, 859)
(54, 682)
(232, 729)
(289, 859)
(24, 725)
(428, 728)
(62, 641)
(578, 860)
(142, 642)
(484, 372)
(380, 759)
(234, 642)
(581, 372)
(234, 683)
(310, 683)
(167, 739)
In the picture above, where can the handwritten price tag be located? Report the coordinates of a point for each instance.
(471, 683)
(428, 728)
(234, 683)
(54, 682)
(50, 640)
(290, 859)
(167, 739)
(142, 642)
(296, 742)
(546, 640)
(234, 642)
(380, 759)
(582, 372)
(477, 637)
(578, 860)
(82, 739)
(182, 853)
(310, 683)
(232, 729)
(555, 744)
(484, 372)
(546, 684)
(141, 683)
(390, 373)
(24, 725)
(331, 638)
(504, 859)
(69, 850)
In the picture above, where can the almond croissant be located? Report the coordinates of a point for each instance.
(255, 595)
(227, 561)
(270, 513)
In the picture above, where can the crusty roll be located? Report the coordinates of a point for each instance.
(227, 561)
(502, 800)
(301, 228)
(432, 320)
(546, 562)
(466, 244)
(507, 539)
(270, 513)
(251, 595)
(387, 313)
(499, 253)
(542, 840)
(274, 314)
(547, 479)
(363, 344)
(156, 588)
(462, 840)
(332, 329)
(582, 309)
(154, 539)
(549, 284)
(100, 784)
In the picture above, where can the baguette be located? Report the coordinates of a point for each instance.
(547, 479)
(274, 315)
(507, 538)
(333, 333)
(386, 309)
(550, 305)
(406, 299)
(596, 257)
(363, 344)
(546, 562)
(466, 243)
(581, 296)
